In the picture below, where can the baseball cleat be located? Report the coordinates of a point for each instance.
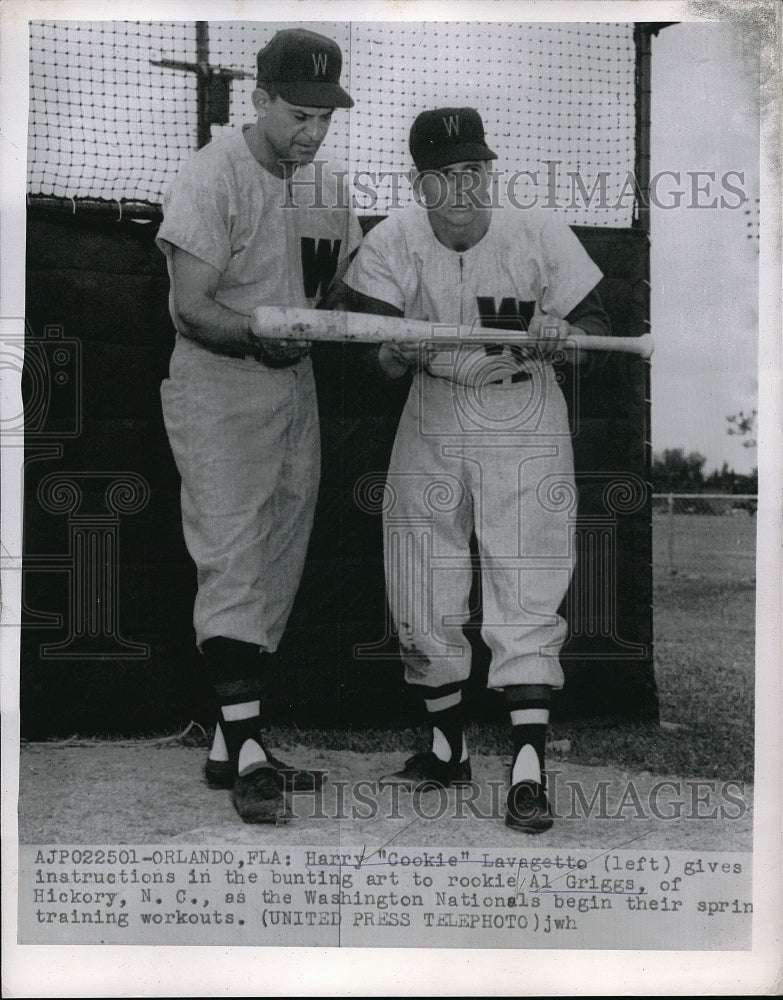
(260, 795)
(527, 808)
(427, 769)
(221, 774)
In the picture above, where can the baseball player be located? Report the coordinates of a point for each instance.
(251, 220)
(482, 447)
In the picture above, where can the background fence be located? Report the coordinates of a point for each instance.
(112, 115)
(693, 530)
(115, 107)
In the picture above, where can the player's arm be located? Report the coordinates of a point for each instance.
(212, 325)
(587, 317)
(568, 272)
(338, 293)
(590, 317)
(394, 359)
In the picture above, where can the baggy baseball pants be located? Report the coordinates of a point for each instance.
(246, 442)
(497, 461)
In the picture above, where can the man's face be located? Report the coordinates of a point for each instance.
(455, 193)
(292, 132)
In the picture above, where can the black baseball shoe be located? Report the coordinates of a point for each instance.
(527, 808)
(427, 769)
(261, 796)
(219, 773)
(222, 774)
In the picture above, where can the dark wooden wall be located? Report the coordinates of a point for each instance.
(107, 642)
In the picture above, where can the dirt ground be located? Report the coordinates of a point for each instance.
(119, 794)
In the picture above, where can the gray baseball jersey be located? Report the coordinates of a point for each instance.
(528, 262)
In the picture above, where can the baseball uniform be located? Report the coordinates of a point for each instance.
(245, 436)
(483, 445)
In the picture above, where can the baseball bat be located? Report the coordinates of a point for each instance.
(286, 323)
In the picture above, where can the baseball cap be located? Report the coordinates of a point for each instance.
(448, 135)
(305, 68)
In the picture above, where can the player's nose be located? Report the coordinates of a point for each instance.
(316, 130)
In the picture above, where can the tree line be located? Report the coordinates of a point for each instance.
(675, 472)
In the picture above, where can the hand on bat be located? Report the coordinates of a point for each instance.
(397, 358)
(548, 332)
(283, 350)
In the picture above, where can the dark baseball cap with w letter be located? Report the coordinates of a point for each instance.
(448, 135)
(305, 68)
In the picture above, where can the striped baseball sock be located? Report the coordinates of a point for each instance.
(444, 715)
(528, 706)
(233, 668)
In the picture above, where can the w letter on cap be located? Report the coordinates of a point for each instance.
(451, 124)
(319, 62)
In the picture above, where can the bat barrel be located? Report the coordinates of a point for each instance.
(286, 323)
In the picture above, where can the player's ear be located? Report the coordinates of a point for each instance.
(414, 179)
(430, 188)
(261, 101)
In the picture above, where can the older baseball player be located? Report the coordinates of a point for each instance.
(483, 446)
(251, 220)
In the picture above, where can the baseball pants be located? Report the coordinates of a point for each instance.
(497, 461)
(246, 442)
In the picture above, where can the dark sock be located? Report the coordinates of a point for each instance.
(449, 722)
(533, 735)
(233, 671)
(529, 698)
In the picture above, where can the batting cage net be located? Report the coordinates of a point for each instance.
(115, 107)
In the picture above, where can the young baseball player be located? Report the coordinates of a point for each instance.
(482, 447)
(251, 220)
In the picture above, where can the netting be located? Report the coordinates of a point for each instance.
(107, 123)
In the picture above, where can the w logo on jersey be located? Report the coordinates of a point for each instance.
(320, 60)
(513, 314)
(319, 262)
(451, 124)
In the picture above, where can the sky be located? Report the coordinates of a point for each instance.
(704, 268)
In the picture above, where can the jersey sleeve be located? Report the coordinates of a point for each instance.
(567, 271)
(372, 271)
(196, 216)
(353, 231)
(590, 316)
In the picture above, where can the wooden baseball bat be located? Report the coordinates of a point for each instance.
(286, 323)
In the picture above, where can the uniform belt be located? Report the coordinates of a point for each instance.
(516, 377)
(263, 357)
(260, 355)
(269, 361)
